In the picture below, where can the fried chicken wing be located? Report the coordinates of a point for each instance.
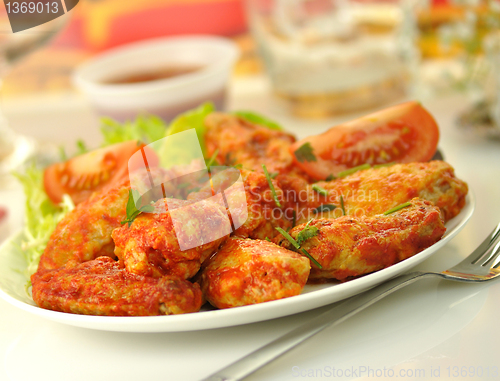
(241, 142)
(85, 232)
(373, 191)
(248, 271)
(351, 246)
(152, 245)
(103, 287)
(257, 204)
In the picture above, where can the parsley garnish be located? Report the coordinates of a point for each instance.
(306, 233)
(324, 208)
(352, 170)
(132, 211)
(342, 204)
(305, 153)
(399, 207)
(322, 191)
(297, 246)
(268, 240)
(271, 186)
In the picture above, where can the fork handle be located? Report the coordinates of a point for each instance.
(336, 315)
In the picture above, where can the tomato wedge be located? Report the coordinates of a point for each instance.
(82, 175)
(402, 134)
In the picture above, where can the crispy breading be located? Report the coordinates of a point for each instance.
(103, 287)
(152, 246)
(351, 246)
(373, 191)
(248, 271)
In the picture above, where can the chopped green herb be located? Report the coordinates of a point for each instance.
(288, 237)
(311, 258)
(268, 240)
(297, 246)
(399, 207)
(306, 233)
(211, 161)
(352, 170)
(330, 177)
(305, 153)
(320, 190)
(342, 204)
(273, 175)
(271, 186)
(324, 208)
(132, 211)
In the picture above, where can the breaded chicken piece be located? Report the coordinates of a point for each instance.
(152, 245)
(373, 191)
(85, 232)
(248, 271)
(248, 144)
(103, 287)
(351, 246)
(256, 204)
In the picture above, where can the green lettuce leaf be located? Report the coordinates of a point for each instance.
(41, 216)
(259, 119)
(193, 119)
(145, 128)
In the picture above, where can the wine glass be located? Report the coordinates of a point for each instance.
(15, 149)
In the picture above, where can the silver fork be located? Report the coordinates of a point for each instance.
(480, 266)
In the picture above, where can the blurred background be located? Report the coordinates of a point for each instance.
(447, 31)
(98, 25)
(300, 60)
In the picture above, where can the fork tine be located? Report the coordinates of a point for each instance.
(482, 254)
(491, 254)
(494, 258)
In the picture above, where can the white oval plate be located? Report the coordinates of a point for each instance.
(13, 282)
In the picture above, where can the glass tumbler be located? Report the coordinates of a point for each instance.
(327, 57)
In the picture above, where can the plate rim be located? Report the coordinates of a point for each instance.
(240, 315)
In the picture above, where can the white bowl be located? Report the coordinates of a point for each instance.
(164, 97)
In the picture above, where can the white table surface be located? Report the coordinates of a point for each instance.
(429, 330)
